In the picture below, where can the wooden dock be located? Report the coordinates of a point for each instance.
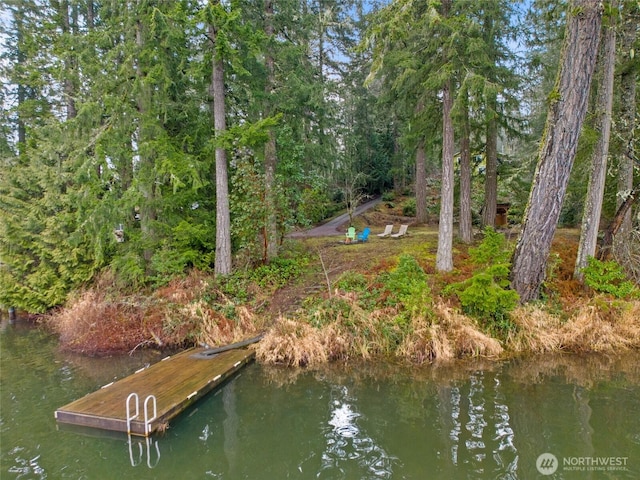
(175, 383)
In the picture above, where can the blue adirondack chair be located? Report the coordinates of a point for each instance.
(364, 236)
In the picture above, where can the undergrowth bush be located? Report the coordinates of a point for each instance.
(388, 196)
(486, 295)
(409, 208)
(608, 277)
(372, 316)
(278, 272)
(407, 286)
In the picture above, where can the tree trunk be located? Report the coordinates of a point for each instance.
(627, 117)
(444, 255)
(270, 154)
(564, 122)
(466, 229)
(69, 64)
(491, 173)
(223, 217)
(421, 183)
(147, 173)
(595, 190)
(399, 175)
(19, 22)
(616, 223)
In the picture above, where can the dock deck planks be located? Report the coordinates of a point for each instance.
(176, 382)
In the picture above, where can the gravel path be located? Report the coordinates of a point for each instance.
(331, 227)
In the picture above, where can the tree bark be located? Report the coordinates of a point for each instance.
(223, 217)
(595, 190)
(466, 230)
(270, 153)
(564, 122)
(627, 117)
(69, 63)
(147, 170)
(491, 173)
(444, 255)
(616, 223)
(421, 183)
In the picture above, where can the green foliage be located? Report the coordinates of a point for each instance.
(609, 277)
(368, 295)
(407, 285)
(278, 272)
(352, 282)
(268, 277)
(493, 249)
(388, 196)
(314, 205)
(129, 269)
(486, 295)
(405, 288)
(247, 205)
(409, 208)
(190, 245)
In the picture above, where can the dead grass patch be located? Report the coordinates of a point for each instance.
(452, 335)
(294, 343)
(594, 329)
(596, 326)
(537, 331)
(94, 325)
(216, 330)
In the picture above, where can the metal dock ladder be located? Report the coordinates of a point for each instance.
(147, 420)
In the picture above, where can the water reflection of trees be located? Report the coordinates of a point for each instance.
(477, 418)
(350, 452)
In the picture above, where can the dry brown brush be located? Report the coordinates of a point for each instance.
(451, 335)
(101, 321)
(92, 324)
(600, 325)
(364, 335)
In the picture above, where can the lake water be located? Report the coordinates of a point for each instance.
(578, 417)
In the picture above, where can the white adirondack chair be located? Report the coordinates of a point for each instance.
(401, 232)
(387, 231)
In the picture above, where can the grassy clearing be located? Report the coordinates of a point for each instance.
(324, 302)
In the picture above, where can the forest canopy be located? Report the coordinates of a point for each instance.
(148, 138)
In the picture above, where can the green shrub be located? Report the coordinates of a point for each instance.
(608, 277)
(493, 249)
(486, 295)
(409, 208)
(407, 286)
(352, 282)
(315, 205)
(388, 197)
(279, 271)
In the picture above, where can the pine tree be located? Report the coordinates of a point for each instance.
(603, 110)
(566, 114)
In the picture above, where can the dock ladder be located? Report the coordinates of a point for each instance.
(147, 420)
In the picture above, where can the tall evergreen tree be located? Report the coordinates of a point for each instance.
(603, 110)
(566, 114)
(628, 108)
(217, 18)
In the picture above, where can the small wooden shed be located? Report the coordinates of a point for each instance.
(502, 209)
